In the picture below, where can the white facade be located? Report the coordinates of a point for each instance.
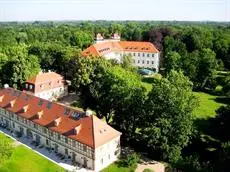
(53, 93)
(81, 154)
(140, 59)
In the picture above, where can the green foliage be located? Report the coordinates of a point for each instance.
(18, 65)
(130, 160)
(6, 149)
(148, 170)
(168, 116)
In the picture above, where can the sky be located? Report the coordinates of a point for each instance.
(180, 10)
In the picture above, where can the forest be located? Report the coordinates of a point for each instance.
(160, 120)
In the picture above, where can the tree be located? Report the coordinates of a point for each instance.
(172, 61)
(6, 150)
(206, 67)
(226, 87)
(127, 61)
(167, 124)
(19, 67)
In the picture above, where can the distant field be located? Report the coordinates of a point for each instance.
(25, 160)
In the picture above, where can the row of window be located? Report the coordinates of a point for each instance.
(139, 54)
(143, 62)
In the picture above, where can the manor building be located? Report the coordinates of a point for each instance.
(48, 85)
(74, 134)
(143, 54)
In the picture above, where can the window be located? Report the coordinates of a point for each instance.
(35, 126)
(152, 55)
(109, 156)
(74, 143)
(40, 102)
(66, 151)
(45, 130)
(147, 62)
(47, 142)
(49, 104)
(143, 54)
(59, 137)
(66, 140)
(84, 148)
(13, 125)
(49, 83)
(31, 87)
(147, 55)
(152, 62)
(138, 54)
(143, 61)
(26, 86)
(134, 54)
(138, 61)
(102, 160)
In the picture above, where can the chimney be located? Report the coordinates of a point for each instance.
(88, 113)
(57, 121)
(6, 86)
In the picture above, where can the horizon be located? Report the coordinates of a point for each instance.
(110, 10)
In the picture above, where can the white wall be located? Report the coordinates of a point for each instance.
(53, 93)
(151, 60)
(105, 154)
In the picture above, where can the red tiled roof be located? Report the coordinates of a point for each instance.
(103, 48)
(93, 132)
(46, 81)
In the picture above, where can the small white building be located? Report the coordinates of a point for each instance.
(49, 86)
(144, 54)
(79, 136)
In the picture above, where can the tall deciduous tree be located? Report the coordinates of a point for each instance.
(168, 121)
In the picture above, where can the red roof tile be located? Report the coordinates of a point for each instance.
(89, 132)
(106, 47)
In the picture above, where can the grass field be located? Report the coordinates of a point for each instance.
(25, 160)
(116, 168)
(208, 105)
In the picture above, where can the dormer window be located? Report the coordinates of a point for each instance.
(41, 86)
(25, 108)
(39, 114)
(77, 129)
(31, 87)
(49, 83)
(57, 121)
(26, 86)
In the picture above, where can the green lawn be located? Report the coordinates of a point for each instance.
(208, 105)
(116, 168)
(25, 160)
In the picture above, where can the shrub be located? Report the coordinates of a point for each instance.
(148, 170)
(131, 160)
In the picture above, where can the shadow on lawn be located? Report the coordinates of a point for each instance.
(149, 80)
(222, 99)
